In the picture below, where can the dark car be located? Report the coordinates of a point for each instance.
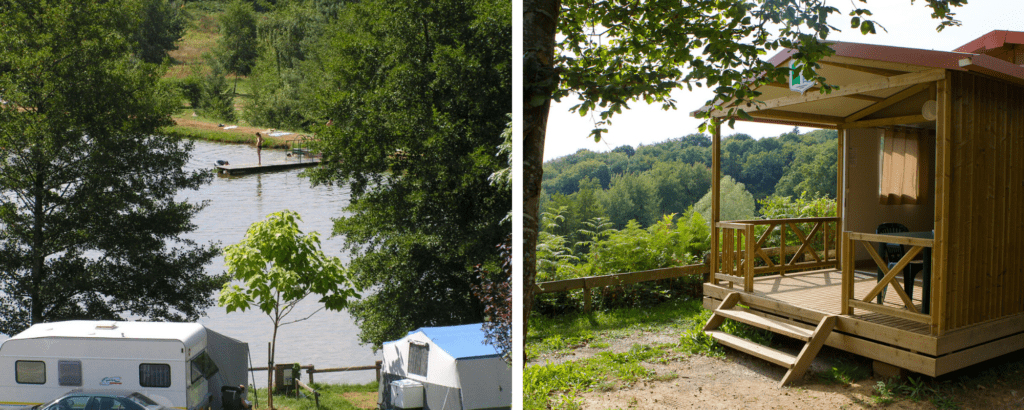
(101, 400)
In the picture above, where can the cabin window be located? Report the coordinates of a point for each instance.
(902, 166)
(154, 375)
(418, 358)
(203, 367)
(30, 372)
(69, 372)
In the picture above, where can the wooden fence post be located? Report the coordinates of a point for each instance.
(586, 298)
(310, 372)
(378, 363)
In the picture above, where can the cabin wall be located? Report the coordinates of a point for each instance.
(863, 212)
(986, 201)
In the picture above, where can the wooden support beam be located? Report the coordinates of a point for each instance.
(864, 69)
(884, 122)
(943, 182)
(840, 193)
(716, 166)
(903, 80)
(862, 97)
(895, 98)
(797, 116)
(810, 350)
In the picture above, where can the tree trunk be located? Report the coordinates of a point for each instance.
(38, 255)
(540, 23)
(270, 368)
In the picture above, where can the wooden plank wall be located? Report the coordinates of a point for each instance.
(985, 262)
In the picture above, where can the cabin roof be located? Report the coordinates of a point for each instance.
(991, 41)
(183, 332)
(886, 74)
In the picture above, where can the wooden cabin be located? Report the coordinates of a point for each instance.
(932, 140)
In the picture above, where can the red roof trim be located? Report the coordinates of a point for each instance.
(992, 40)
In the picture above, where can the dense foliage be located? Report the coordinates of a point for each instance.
(89, 224)
(419, 98)
(669, 177)
(597, 248)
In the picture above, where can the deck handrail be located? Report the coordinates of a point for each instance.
(740, 239)
(849, 302)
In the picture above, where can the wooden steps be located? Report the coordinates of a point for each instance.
(798, 364)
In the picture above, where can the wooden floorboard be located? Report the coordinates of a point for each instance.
(820, 291)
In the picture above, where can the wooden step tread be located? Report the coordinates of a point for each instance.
(762, 322)
(746, 346)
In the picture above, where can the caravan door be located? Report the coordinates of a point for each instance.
(201, 369)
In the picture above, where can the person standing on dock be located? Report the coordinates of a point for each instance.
(259, 148)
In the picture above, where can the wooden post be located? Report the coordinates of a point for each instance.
(748, 259)
(840, 192)
(716, 188)
(312, 369)
(847, 283)
(943, 183)
(586, 297)
(378, 363)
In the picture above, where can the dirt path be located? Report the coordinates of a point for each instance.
(740, 381)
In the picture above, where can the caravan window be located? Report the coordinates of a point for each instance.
(418, 358)
(203, 366)
(69, 372)
(30, 372)
(154, 375)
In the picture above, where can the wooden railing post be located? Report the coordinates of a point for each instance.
(310, 372)
(847, 283)
(748, 259)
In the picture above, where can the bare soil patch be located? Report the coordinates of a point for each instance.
(741, 381)
(363, 400)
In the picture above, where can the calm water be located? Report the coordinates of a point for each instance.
(328, 339)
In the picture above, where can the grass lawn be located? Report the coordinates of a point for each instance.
(332, 397)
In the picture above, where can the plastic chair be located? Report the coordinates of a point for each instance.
(892, 253)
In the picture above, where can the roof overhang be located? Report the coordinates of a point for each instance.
(878, 86)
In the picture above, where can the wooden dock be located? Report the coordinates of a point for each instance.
(270, 166)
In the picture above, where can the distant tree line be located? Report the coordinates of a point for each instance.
(669, 177)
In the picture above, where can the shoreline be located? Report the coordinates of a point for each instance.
(193, 129)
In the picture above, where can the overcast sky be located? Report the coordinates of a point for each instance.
(907, 25)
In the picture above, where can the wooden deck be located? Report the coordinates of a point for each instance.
(820, 291)
(269, 166)
(804, 299)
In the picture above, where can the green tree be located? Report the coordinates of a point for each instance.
(632, 197)
(813, 171)
(215, 99)
(611, 53)
(163, 24)
(275, 267)
(737, 204)
(236, 47)
(568, 181)
(419, 97)
(89, 224)
(679, 185)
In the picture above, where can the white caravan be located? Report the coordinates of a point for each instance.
(179, 365)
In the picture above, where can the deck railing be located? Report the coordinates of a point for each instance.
(788, 250)
(870, 243)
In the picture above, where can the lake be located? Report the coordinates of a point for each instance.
(327, 339)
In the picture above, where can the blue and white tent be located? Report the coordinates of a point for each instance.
(457, 370)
